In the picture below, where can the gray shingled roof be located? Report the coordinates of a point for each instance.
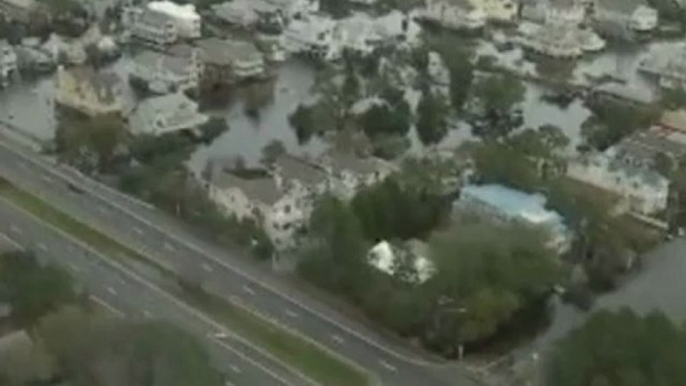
(224, 52)
(177, 111)
(292, 168)
(263, 190)
(340, 161)
(176, 64)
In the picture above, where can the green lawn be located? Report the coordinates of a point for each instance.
(304, 356)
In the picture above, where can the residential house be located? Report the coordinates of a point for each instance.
(667, 65)
(8, 61)
(349, 173)
(554, 12)
(643, 148)
(249, 13)
(498, 11)
(509, 205)
(19, 10)
(279, 212)
(454, 14)
(632, 15)
(674, 120)
(617, 92)
(23, 361)
(312, 37)
(644, 191)
(227, 60)
(150, 26)
(85, 90)
(565, 41)
(304, 177)
(163, 73)
(186, 20)
(389, 259)
(165, 114)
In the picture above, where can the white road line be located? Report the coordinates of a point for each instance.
(102, 210)
(74, 267)
(46, 179)
(42, 247)
(112, 291)
(15, 229)
(147, 313)
(337, 339)
(291, 313)
(107, 306)
(248, 290)
(235, 369)
(169, 247)
(206, 267)
(388, 366)
(138, 230)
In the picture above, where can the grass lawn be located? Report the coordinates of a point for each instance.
(304, 356)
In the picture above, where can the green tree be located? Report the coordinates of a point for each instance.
(392, 210)
(673, 98)
(485, 273)
(335, 258)
(31, 289)
(612, 121)
(432, 117)
(271, 151)
(99, 352)
(385, 119)
(620, 349)
(496, 101)
(90, 144)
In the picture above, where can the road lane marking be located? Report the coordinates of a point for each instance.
(388, 366)
(235, 369)
(102, 209)
(291, 313)
(107, 306)
(248, 290)
(112, 291)
(337, 339)
(74, 267)
(147, 313)
(15, 229)
(206, 267)
(138, 230)
(169, 247)
(46, 179)
(42, 247)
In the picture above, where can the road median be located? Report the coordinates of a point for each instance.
(299, 354)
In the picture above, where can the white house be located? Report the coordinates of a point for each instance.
(279, 213)
(645, 192)
(506, 204)
(166, 114)
(499, 11)
(454, 14)
(8, 61)
(186, 20)
(558, 40)
(164, 73)
(240, 59)
(389, 259)
(668, 65)
(554, 12)
(634, 15)
(312, 37)
(150, 26)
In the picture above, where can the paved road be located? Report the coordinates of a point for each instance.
(127, 294)
(225, 273)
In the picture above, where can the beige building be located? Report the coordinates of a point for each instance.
(87, 91)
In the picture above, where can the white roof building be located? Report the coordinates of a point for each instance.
(500, 202)
(184, 17)
(166, 114)
(386, 258)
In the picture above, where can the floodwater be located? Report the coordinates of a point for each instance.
(658, 286)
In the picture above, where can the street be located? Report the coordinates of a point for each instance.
(126, 294)
(226, 274)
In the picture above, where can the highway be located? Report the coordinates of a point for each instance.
(227, 273)
(126, 294)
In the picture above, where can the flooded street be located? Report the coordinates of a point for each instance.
(660, 286)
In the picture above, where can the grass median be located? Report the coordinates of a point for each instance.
(291, 349)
